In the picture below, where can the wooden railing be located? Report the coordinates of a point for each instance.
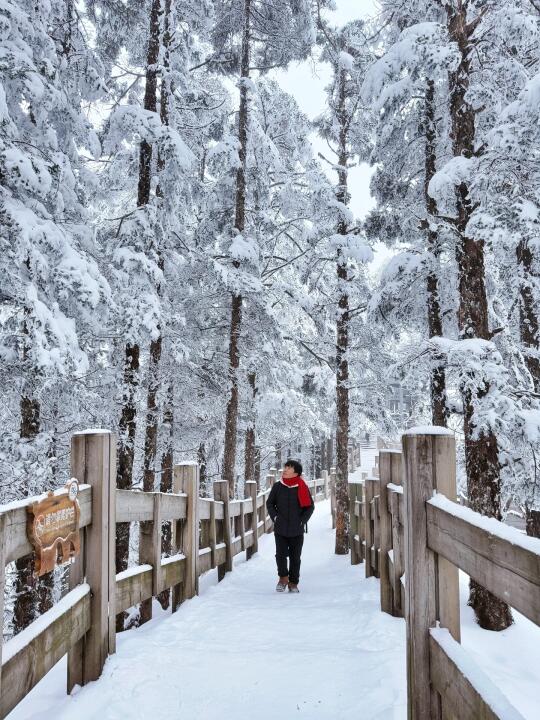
(413, 535)
(207, 533)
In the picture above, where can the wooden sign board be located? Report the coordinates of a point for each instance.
(53, 528)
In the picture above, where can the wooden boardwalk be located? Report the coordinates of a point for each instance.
(240, 649)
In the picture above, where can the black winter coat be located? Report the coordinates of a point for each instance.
(284, 509)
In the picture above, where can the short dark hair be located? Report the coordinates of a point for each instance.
(296, 466)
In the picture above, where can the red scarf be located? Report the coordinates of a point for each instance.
(304, 497)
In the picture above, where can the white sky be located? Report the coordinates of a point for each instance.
(307, 81)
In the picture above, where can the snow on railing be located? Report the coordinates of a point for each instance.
(417, 551)
(206, 533)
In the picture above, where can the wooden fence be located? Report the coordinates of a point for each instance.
(207, 533)
(413, 535)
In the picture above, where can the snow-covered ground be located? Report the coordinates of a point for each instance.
(240, 649)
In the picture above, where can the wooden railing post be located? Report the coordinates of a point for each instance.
(2, 584)
(431, 585)
(387, 466)
(93, 462)
(376, 529)
(333, 496)
(212, 534)
(360, 495)
(354, 491)
(251, 491)
(150, 553)
(324, 476)
(221, 492)
(270, 479)
(369, 491)
(186, 480)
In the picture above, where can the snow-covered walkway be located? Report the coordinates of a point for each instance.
(242, 650)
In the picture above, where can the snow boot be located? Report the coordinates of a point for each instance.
(282, 584)
(293, 587)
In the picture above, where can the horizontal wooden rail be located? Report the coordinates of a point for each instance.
(462, 684)
(418, 555)
(29, 656)
(509, 569)
(207, 533)
(138, 506)
(16, 541)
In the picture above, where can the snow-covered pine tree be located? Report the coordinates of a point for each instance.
(251, 36)
(408, 85)
(343, 127)
(51, 284)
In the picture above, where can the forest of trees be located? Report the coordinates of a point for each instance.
(180, 266)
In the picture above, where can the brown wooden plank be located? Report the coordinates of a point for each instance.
(133, 586)
(397, 547)
(173, 507)
(376, 532)
(100, 472)
(509, 571)
(221, 493)
(23, 668)
(134, 506)
(204, 508)
(221, 554)
(424, 454)
(173, 571)
(205, 561)
(385, 530)
(17, 544)
(461, 689)
(369, 489)
(251, 489)
(212, 534)
(188, 477)
(75, 657)
(236, 546)
(2, 584)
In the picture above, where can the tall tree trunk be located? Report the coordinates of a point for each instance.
(258, 467)
(481, 449)
(528, 316)
(342, 341)
(144, 190)
(25, 606)
(279, 457)
(530, 340)
(231, 417)
(166, 483)
(249, 451)
(439, 411)
(329, 453)
(126, 452)
(203, 473)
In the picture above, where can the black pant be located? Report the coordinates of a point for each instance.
(289, 547)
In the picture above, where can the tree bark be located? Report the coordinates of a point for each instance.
(481, 448)
(342, 340)
(231, 417)
(166, 482)
(25, 605)
(249, 450)
(203, 474)
(144, 190)
(528, 316)
(439, 411)
(126, 453)
(258, 467)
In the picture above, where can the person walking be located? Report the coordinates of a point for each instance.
(290, 506)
